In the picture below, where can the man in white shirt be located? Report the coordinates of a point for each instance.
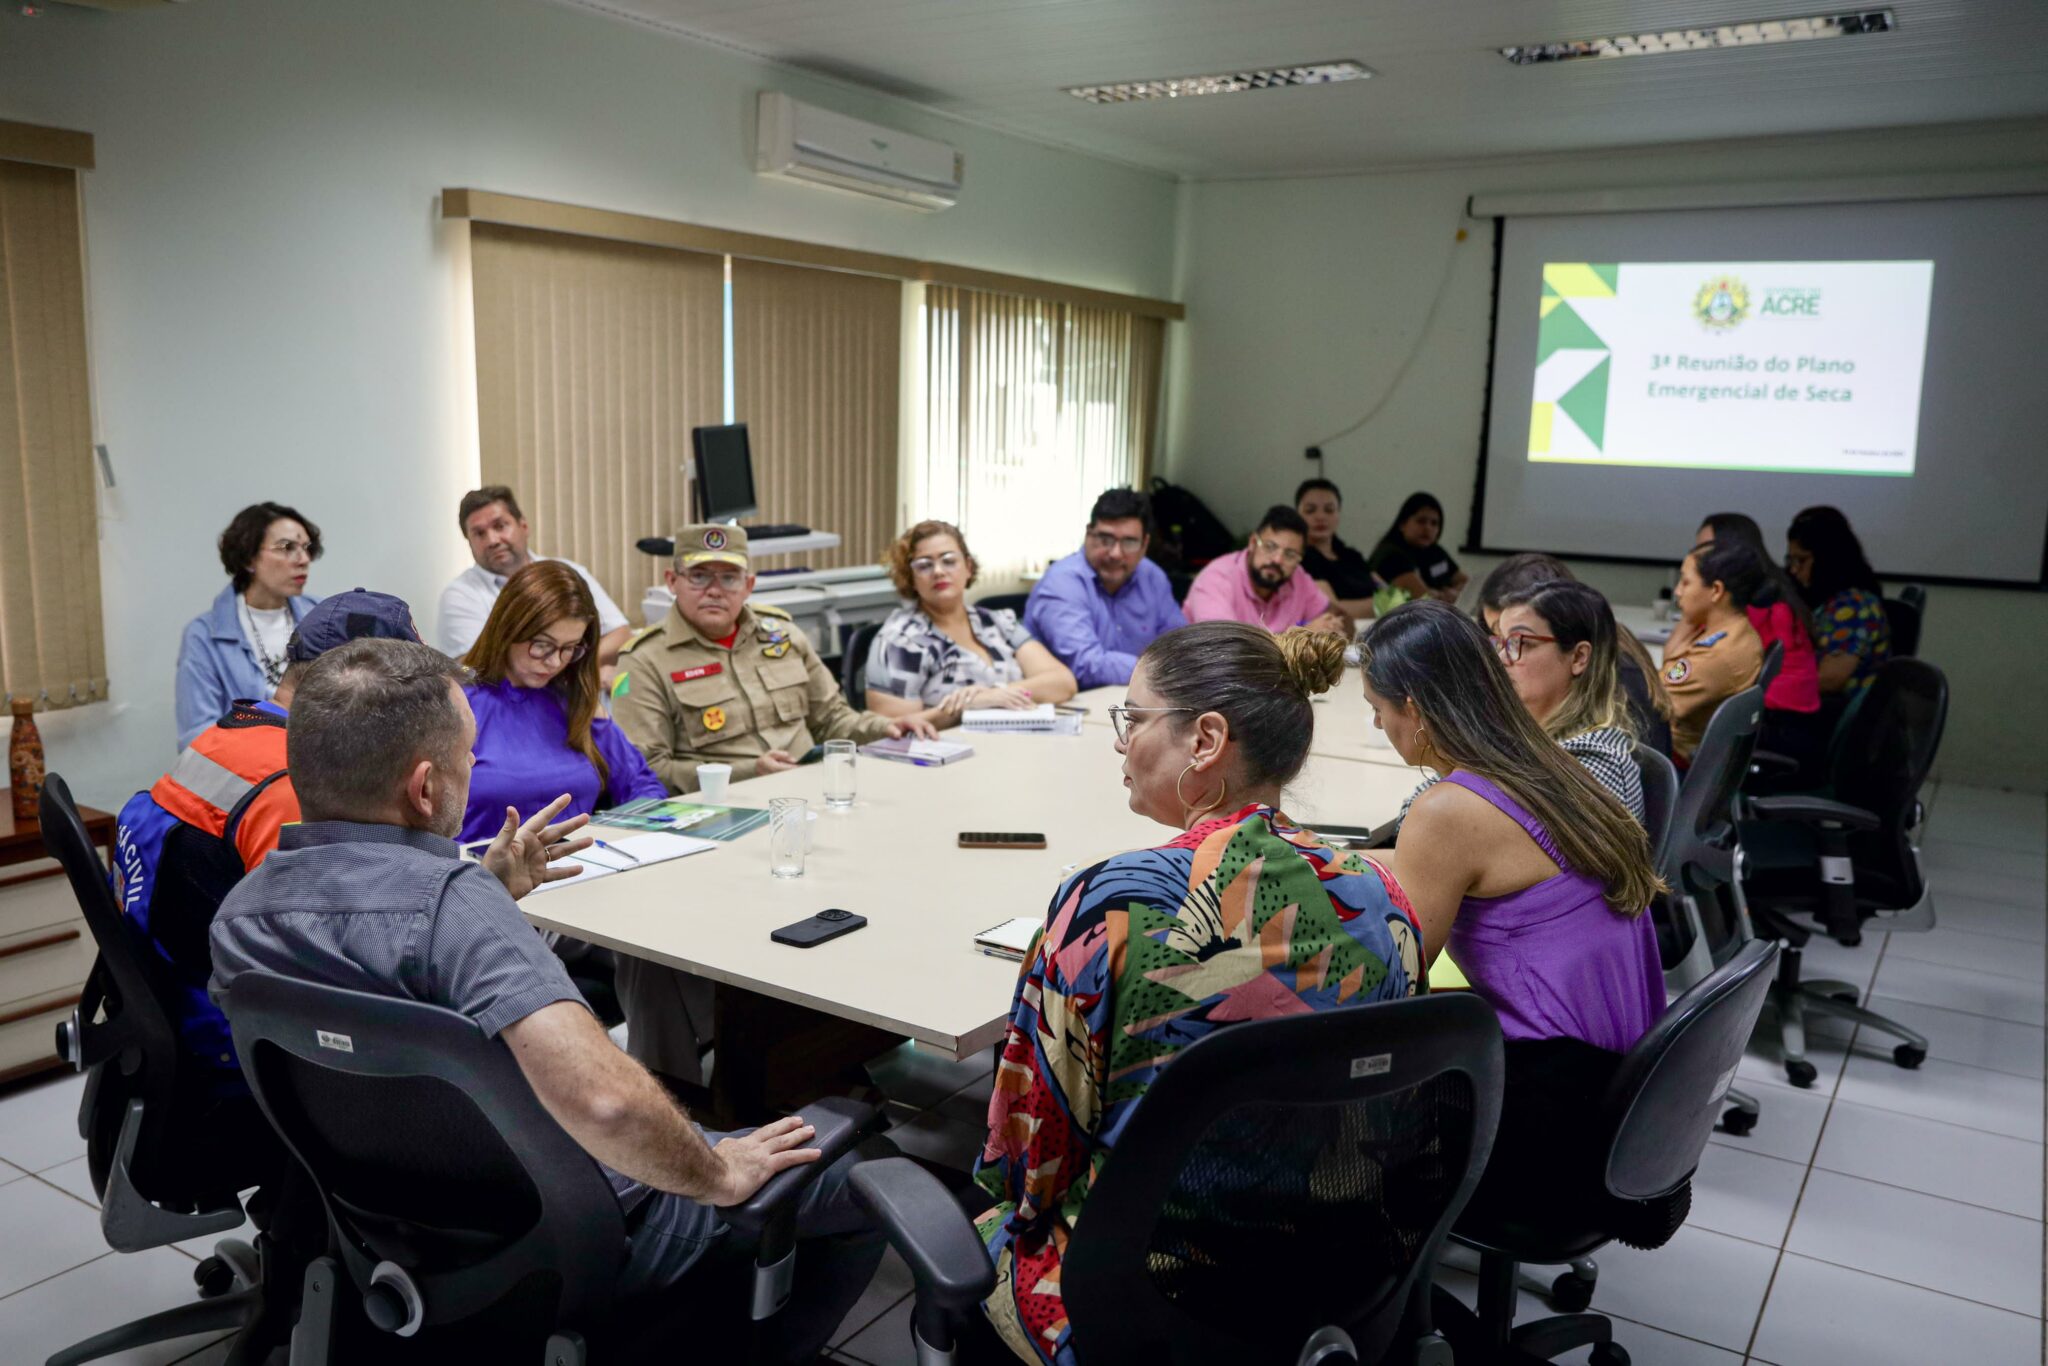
(497, 532)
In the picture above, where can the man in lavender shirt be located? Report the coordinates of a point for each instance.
(1098, 608)
(1260, 585)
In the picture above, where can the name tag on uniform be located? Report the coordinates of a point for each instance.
(700, 671)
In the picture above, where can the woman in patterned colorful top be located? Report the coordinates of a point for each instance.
(1243, 915)
(940, 652)
(1850, 629)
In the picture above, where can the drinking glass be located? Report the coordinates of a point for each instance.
(839, 773)
(788, 819)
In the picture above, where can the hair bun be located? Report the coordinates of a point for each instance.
(1314, 659)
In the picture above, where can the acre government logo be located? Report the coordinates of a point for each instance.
(1721, 304)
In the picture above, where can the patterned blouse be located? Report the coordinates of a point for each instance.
(1244, 917)
(1852, 622)
(914, 659)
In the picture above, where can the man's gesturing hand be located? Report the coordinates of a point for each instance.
(746, 1161)
(520, 855)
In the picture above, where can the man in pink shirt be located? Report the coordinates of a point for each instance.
(1259, 586)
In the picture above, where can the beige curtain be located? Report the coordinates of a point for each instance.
(816, 362)
(593, 361)
(52, 647)
(1032, 409)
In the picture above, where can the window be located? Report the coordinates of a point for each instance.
(52, 646)
(1032, 407)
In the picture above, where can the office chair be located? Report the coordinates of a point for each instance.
(1313, 1161)
(853, 664)
(1652, 1128)
(1005, 602)
(1660, 799)
(1701, 919)
(164, 1170)
(1903, 617)
(1829, 862)
(466, 1222)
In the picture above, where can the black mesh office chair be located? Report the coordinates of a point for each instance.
(1660, 799)
(1314, 1161)
(1005, 602)
(1903, 617)
(1701, 918)
(467, 1223)
(1655, 1121)
(160, 1152)
(1829, 862)
(853, 664)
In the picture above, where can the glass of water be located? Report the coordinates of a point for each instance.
(839, 755)
(788, 826)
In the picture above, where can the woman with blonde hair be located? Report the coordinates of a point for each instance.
(937, 651)
(536, 695)
(1243, 914)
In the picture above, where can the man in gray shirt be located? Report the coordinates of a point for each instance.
(370, 893)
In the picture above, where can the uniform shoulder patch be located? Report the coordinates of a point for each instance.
(621, 685)
(1677, 671)
(645, 633)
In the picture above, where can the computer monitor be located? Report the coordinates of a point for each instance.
(725, 473)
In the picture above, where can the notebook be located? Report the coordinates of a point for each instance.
(1039, 718)
(923, 753)
(1011, 939)
(673, 815)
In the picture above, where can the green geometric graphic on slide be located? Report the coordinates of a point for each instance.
(1568, 417)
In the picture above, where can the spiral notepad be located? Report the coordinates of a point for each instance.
(1038, 718)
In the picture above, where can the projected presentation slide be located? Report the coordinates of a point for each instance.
(1808, 367)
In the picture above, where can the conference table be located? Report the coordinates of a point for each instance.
(914, 970)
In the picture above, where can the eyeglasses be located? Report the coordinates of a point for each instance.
(1120, 718)
(702, 579)
(923, 565)
(544, 651)
(291, 550)
(1509, 648)
(1102, 540)
(1273, 548)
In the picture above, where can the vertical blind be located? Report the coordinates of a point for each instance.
(52, 647)
(1032, 409)
(816, 360)
(594, 359)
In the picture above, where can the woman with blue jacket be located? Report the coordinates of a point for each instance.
(235, 649)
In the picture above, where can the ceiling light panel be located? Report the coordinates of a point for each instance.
(1223, 83)
(1701, 39)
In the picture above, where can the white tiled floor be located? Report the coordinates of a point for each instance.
(1882, 1218)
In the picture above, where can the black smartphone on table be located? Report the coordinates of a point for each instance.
(823, 926)
(1000, 839)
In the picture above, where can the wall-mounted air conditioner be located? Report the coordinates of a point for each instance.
(803, 142)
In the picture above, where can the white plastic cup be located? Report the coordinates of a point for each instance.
(839, 776)
(711, 781)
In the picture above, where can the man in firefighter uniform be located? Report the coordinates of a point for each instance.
(719, 681)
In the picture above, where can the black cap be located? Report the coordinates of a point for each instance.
(350, 616)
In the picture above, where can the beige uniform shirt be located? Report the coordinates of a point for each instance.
(1703, 671)
(684, 700)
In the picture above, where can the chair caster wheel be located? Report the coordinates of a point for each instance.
(1909, 1055)
(1847, 998)
(1801, 1073)
(1608, 1354)
(1738, 1122)
(214, 1277)
(1571, 1293)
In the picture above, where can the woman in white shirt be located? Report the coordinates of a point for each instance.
(235, 649)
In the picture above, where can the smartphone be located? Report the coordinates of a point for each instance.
(1358, 836)
(812, 755)
(819, 928)
(993, 839)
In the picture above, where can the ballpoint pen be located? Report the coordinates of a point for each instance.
(614, 849)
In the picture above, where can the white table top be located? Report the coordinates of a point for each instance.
(914, 969)
(1643, 623)
(1344, 728)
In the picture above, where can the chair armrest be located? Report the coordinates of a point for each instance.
(1767, 764)
(1813, 811)
(929, 1231)
(840, 1124)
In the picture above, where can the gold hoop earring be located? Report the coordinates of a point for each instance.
(1192, 811)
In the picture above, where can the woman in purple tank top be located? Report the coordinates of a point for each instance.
(1531, 873)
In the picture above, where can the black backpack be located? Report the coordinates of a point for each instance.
(1186, 534)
